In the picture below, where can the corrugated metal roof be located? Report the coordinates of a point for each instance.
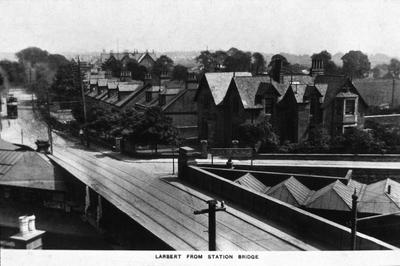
(249, 181)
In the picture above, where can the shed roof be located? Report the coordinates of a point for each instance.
(336, 196)
(28, 169)
(299, 191)
(377, 199)
(249, 181)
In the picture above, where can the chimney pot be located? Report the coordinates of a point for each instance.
(23, 225)
(31, 223)
(389, 189)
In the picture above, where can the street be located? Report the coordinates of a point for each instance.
(28, 127)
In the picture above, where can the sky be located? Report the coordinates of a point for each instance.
(293, 26)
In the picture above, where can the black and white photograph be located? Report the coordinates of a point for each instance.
(199, 132)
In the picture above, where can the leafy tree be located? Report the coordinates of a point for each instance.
(205, 59)
(394, 67)
(211, 62)
(237, 60)
(162, 64)
(32, 55)
(13, 71)
(278, 63)
(138, 72)
(257, 63)
(56, 60)
(261, 136)
(355, 64)
(65, 83)
(329, 66)
(180, 73)
(113, 65)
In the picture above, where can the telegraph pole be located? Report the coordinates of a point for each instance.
(83, 102)
(48, 122)
(353, 243)
(212, 208)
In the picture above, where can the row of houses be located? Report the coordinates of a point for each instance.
(175, 98)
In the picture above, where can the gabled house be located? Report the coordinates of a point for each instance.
(209, 97)
(294, 105)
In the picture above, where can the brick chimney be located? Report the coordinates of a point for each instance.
(317, 67)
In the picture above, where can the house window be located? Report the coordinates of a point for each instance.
(269, 105)
(148, 96)
(350, 107)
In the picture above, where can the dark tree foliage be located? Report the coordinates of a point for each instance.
(32, 55)
(258, 63)
(394, 67)
(261, 136)
(180, 73)
(65, 84)
(163, 64)
(113, 65)
(138, 72)
(278, 63)
(329, 66)
(237, 60)
(13, 71)
(211, 62)
(355, 64)
(56, 60)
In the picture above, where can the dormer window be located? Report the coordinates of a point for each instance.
(350, 106)
(149, 96)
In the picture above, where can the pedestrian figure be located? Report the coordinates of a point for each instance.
(229, 163)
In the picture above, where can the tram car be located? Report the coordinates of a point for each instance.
(12, 106)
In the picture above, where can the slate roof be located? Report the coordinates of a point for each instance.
(167, 91)
(102, 82)
(129, 87)
(250, 182)
(218, 83)
(247, 88)
(301, 79)
(378, 91)
(298, 191)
